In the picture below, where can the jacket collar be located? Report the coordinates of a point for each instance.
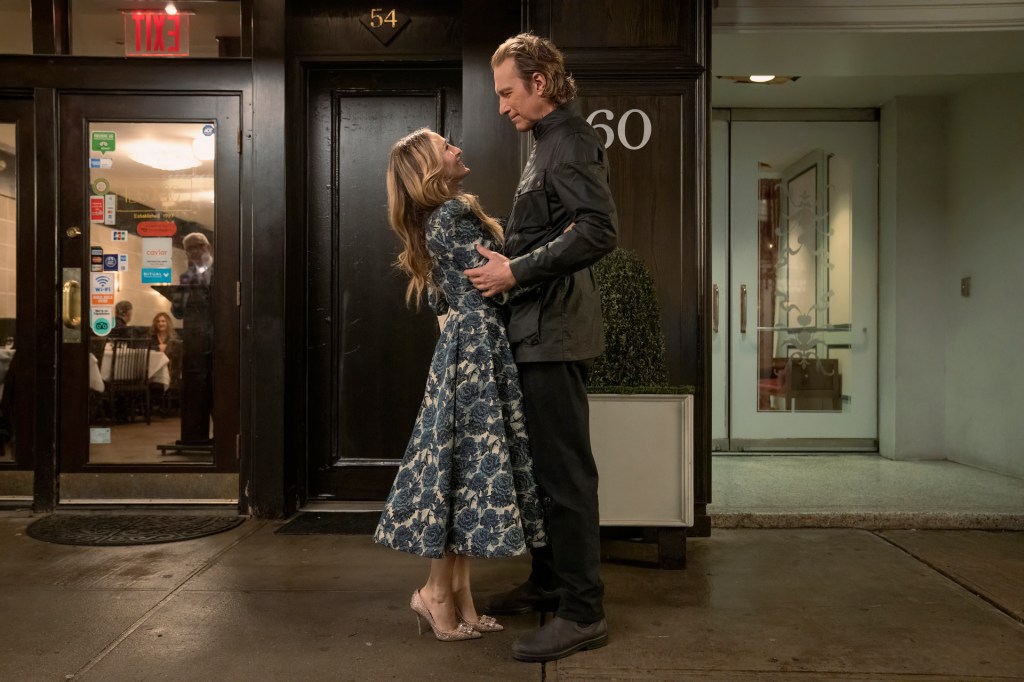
(552, 120)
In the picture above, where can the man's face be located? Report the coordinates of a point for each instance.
(198, 253)
(521, 102)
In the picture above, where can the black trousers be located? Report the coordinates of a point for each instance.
(558, 420)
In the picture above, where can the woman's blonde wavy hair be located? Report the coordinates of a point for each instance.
(417, 184)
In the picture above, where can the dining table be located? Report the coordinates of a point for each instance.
(96, 382)
(159, 365)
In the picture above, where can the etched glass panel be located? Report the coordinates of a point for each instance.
(804, 292)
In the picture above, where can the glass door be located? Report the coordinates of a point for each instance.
(16, 335)
(800, 324)
(148, 230)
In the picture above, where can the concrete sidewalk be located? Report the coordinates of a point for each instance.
(796, 604)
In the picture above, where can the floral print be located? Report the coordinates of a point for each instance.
(466, 482)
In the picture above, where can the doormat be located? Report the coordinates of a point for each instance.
(116, 530)
(331, 523)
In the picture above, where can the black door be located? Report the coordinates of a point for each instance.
(367, 353)
(148, 230)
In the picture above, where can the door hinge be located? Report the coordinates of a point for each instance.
(238, 446)
(238, 293)
(238, 141)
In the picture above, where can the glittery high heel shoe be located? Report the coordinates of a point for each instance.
(463, 631)
(482, 623)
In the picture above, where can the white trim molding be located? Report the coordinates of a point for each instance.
(756, 16)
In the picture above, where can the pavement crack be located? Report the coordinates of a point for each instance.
(166, 598)
(952, 577)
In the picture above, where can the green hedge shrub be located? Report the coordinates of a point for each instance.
(634, 356)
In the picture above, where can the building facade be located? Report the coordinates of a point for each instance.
(220, 169)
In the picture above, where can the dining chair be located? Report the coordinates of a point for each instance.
(129, 377)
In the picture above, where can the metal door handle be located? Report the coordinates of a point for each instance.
(743, 309)
(72, 304)
(714, 308)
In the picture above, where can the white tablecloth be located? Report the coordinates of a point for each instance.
(159, 372)
(95, 378)
(6, 355)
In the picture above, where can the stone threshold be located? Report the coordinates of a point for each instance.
(870, 520)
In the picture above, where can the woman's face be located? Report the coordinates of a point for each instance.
(451, 157)
(161, 324)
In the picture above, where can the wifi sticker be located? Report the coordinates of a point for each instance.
(102, 289)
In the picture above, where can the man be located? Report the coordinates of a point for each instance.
(193, 303)
(562, 221)
(200, 259)
(122, 320)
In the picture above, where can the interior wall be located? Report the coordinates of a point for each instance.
(912, 313)
(8, 206)
(984, 393)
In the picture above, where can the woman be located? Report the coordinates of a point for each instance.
(162, 332)
(164, 338)
(465, 486)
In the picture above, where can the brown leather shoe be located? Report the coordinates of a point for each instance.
(523, 599)
(559, 638)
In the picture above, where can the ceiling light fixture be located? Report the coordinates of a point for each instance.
(165, 156)
(761, 80)
(171, 9)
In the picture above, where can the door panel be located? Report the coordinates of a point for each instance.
(368, 353)
(148, 233)
(802, 295)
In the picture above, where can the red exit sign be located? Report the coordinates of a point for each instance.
(155, 34)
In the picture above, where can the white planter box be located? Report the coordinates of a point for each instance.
(643, 445)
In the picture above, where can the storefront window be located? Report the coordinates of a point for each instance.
(148, 29)
(8, 241)
(15, 27)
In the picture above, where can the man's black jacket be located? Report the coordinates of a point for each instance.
(565, 183)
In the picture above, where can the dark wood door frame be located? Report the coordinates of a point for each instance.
(75, 111)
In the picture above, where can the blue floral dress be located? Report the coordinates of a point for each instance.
(466, 482)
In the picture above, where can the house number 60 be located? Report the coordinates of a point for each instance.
(609, 134)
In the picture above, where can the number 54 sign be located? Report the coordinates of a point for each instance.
(384, 23)
(610, 133)
(380, 16)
